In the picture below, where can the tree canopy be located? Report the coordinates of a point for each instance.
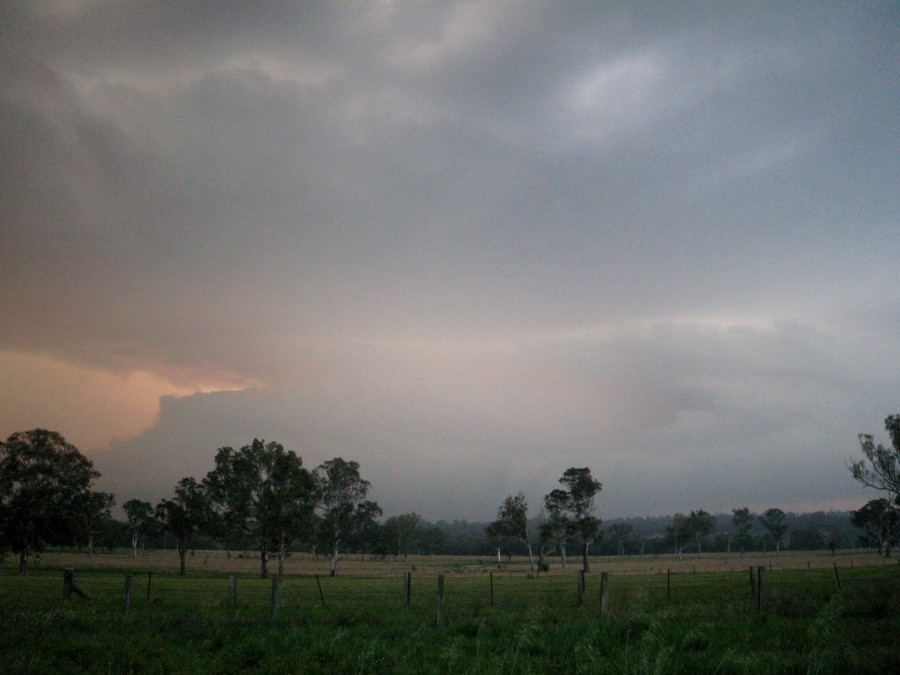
(344, 511)
(264, 491)
(44, 481)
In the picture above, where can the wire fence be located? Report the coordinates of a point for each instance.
(446, 598)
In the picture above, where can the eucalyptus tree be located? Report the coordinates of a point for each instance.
(742, 520)
(185, 515)
(512, 522)
(883, 469)
(581, 489)
(621, 532)
(678, 532)
(878, 521)
(403, 533)
(91, 512)
(773, 521)
(43, 478)
(139, 517)
(700, 525)
(344, 511)
(555, 529)
(265, 492)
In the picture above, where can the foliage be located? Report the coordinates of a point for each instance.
(344, 511)
(44, 481)
(92, 512)
(512, 521)
(773, 521)
(263, 490)
(403, 533)
(742, 520)
(579, 508)
(140, 522)
(185, 515)
(883, 469)
(878, 522)
(555, 529)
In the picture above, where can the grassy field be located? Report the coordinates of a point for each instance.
(663, 617)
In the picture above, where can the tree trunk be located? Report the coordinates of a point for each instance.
(530, 554)
(562, 553)
(134, 543)
(281, 552)
(584, 556)
(23, 560)
(182, 551)
(263, 562)
(332, 572)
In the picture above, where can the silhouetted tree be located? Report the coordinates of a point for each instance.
(742, 520)
(139, 515)
(512, 522)
(773, 521)
(883, 469)
(344, 510)
(185, 515)
(579, 507)
(43, 480)
(264, 491)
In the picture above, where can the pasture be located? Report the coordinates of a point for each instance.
(665, 614)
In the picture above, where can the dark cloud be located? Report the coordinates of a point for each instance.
(521, 235)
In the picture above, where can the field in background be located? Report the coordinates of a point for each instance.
(663, 616)
(247, 562)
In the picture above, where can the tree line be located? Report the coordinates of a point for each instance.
(261, 496)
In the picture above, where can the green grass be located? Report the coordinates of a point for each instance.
(707, 622)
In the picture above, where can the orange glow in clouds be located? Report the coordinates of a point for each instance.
(89, 407)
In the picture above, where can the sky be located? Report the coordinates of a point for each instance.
(466, 244)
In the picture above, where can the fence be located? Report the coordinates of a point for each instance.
(439, 600)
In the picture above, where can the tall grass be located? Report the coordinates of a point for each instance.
(706, 622)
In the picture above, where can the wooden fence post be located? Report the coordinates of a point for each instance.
(232, 591)
(753, 582)
(274, 607)
(68, 573)
(69, 586)
(321, 594)
(580, 586)
(761, 588)
(440, 600)
(407, 586)
(128, 586)
(604, 594)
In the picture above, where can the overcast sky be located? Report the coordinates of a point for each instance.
(466, 244)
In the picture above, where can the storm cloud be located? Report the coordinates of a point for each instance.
(468, 244)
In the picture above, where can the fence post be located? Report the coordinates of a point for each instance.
(321, 594)
(440, 600)
(761, 588)
(753, 582)
(604, 594)
(407, 586)
(128, 586)
(69, 586)
(232, 590)
(67, 582)
(274, 608)
(580, 586)
(837, 576)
